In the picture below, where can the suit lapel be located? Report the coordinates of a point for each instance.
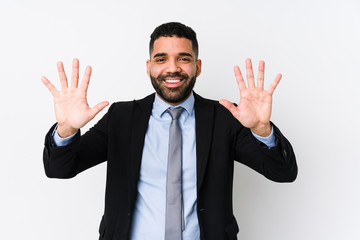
(204, 116)
(140, 119)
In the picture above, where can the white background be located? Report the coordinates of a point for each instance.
(314, 44)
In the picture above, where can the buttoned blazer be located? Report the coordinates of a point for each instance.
(118, 138)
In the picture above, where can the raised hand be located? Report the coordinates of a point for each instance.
(71, 107)
(254, 108)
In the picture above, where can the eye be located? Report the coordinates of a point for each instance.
(185, 59)
(159, 60)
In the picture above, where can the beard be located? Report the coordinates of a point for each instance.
(176, 94)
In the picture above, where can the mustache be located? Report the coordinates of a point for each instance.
(173, 75)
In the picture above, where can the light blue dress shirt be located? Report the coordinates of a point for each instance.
(149, 214)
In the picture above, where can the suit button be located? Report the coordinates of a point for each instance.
(284, 153)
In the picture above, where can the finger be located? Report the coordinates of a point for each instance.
(229, 106)
(249, 73)
(274, 84)
(75, 73)
(62, 75)
(49, 86)
(239, 78)
(98, 107)
(260, 76)
(86, 79)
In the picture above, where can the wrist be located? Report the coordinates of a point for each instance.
(263, 130)
(65, 132)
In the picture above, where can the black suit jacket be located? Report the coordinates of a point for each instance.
(118, 138)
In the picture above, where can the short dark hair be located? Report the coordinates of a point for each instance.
(177, 29)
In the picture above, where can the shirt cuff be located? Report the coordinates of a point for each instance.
(269, 141)
(59, 141)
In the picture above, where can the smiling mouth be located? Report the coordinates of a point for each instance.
(173, 80)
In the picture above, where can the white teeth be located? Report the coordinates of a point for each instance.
(172, 80)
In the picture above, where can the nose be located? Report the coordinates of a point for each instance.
(173, 67)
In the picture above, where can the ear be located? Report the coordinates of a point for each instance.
(148, 67)
(198, 67)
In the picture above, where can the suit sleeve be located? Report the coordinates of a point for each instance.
(82, 153)
(277, 164)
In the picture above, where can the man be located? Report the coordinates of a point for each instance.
(134, 138)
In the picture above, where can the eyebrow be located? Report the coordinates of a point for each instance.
(159, 55)
(180, 54)
(186, 54)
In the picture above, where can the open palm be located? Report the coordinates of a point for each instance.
(254, 108)
(72, 110)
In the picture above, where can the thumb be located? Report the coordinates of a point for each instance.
(229, 106)
(98, 107)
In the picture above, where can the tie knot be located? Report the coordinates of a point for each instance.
(175, 112)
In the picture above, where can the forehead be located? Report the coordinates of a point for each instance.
(172, 46)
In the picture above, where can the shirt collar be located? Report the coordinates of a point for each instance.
(160, 106)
